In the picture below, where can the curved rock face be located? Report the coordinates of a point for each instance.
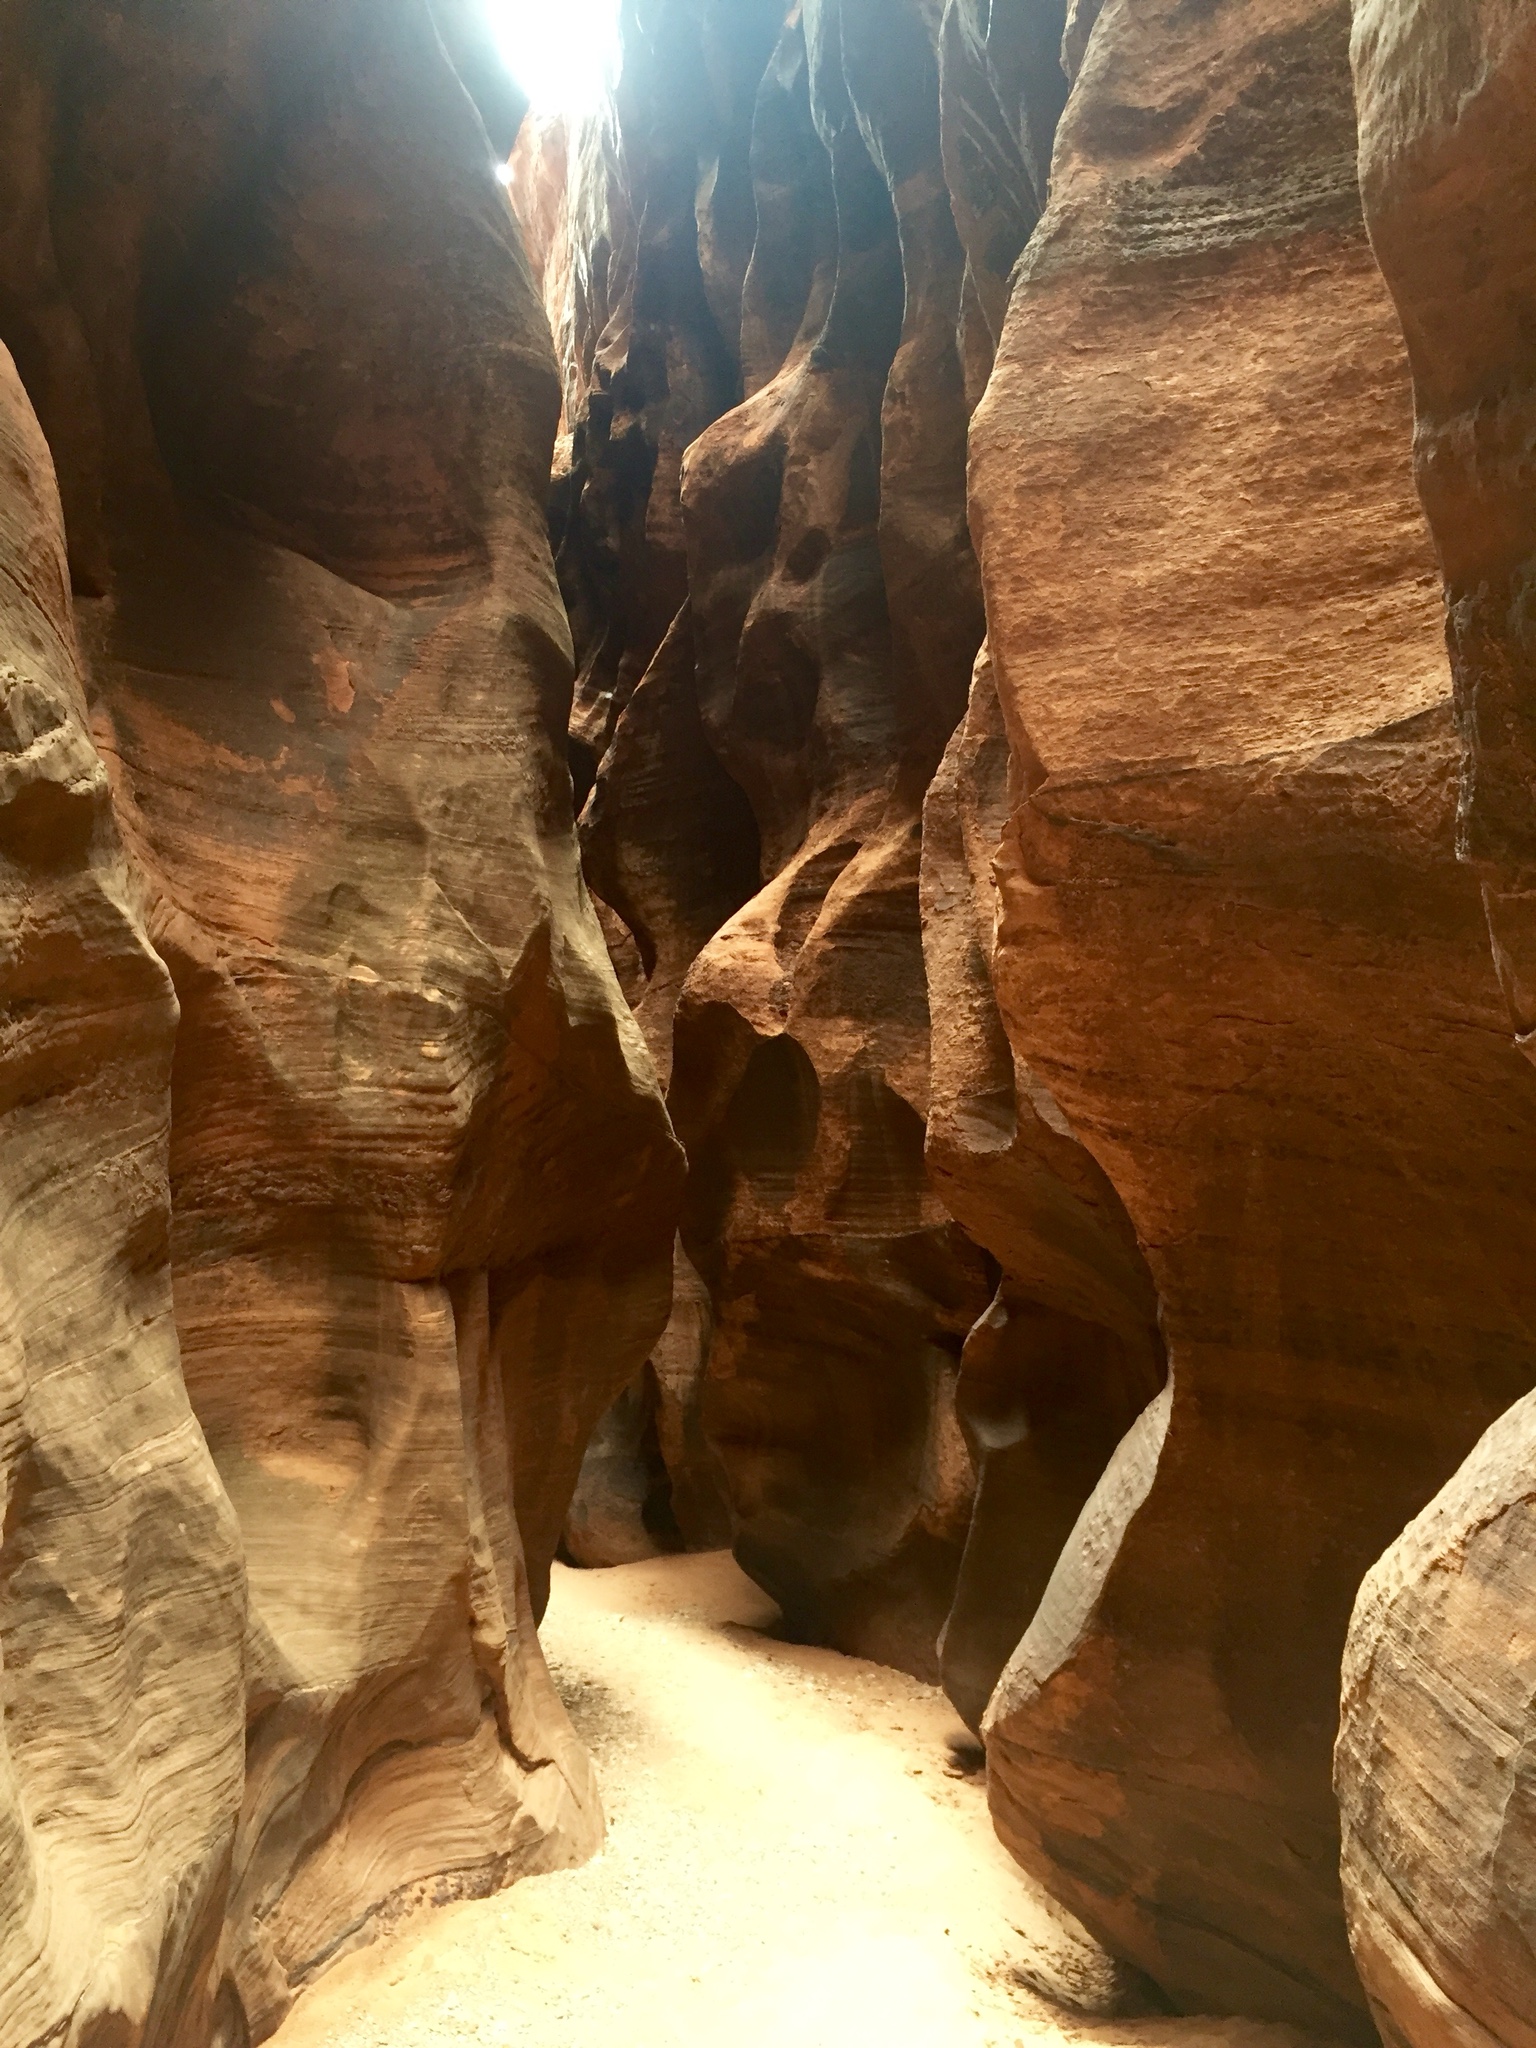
(1068, 1353)
(1236, 950)
(1434, 1766)
(835, 615)
(423, 1190)
(756, 261)
(1447, 152)
(121, 1596)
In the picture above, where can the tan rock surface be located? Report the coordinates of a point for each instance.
(121, 1596)
(1435, 1760)
(1237, 952)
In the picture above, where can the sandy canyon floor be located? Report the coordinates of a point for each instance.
(792, 1858)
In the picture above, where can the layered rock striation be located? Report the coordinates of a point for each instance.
(786, 251)
(1434, 1763)
(121, 1589)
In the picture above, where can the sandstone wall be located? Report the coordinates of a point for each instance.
(275, 317)
(1207, 1056)
(1236, 948)
(1434, 1763)
(121, 1593)
(1433, 1767)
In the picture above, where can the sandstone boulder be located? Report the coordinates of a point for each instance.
(1434, 1765)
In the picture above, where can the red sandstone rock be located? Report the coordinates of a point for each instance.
(651, 1482)
(1446, 97)
(1237, 952)
(835, 615)
(774, 744)
(1067, 1355)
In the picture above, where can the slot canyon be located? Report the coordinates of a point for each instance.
(767, 1001)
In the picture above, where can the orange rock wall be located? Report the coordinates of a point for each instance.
(1237, 949)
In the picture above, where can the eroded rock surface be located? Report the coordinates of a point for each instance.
(422, 1187)
(1435, 1759)
(1109, 1149)
(1237, 951)
(836, 616)
(756, 262)
(1448, 149)
(121, 1594)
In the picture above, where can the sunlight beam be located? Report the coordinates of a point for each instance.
(562, 53)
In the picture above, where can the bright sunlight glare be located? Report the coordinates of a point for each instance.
(561, 52)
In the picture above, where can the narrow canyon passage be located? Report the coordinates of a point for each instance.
(793, 1857)
(740, 879)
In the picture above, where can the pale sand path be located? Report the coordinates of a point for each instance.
(789, 1864)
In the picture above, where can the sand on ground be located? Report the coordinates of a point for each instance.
(794, 1860)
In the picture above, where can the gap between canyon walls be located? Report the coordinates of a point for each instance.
(398, 1186)
(1095, 1011)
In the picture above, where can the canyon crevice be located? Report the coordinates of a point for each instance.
(763, 838)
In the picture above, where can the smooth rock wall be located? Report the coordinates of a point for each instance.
(1237, 950)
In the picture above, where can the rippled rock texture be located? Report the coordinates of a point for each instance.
(757, 265)
(403, 1157)
(776, 275)
(121, 1597)
(1435, 1759)
(1036, 840)
(1237, 950)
